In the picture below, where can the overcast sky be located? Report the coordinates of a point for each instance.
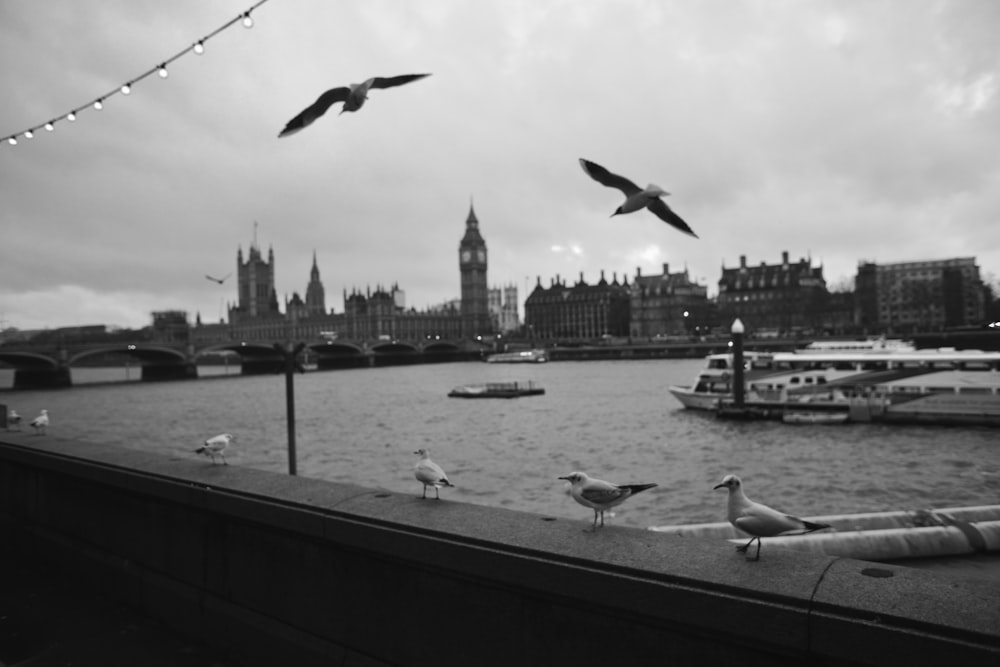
(840, 131)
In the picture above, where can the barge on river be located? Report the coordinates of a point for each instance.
(533, 356)
(497, 390)
(894, 383)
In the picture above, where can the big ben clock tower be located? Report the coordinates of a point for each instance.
(472, 266)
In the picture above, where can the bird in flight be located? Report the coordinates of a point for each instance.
(219, 280)
(353, 97)
(600, 495)
(636, 197)
(760, 520)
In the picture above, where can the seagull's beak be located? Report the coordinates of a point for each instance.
(718, 486)
(565, 478)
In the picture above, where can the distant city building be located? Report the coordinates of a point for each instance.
(472, 267)
(315, 295)
(503, 308)
(920, 296)
(778, 299)
(669, 304)
(578, 311)
(367, 315)
(255, 285)
(170, 326)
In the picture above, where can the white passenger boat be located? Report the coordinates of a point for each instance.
(714, 380)
(535, 356)
(894, 383)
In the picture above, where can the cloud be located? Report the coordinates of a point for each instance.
(835, 130)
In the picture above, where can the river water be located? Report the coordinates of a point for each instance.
(612, 419)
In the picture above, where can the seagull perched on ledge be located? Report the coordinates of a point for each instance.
(216, 446)
(760, 520)
(636, 197)
(41, 422)
(353, 97)
(600, 495)
(429, 473)
(13, 420)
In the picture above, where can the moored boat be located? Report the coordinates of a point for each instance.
(873, 383)
(533, 356)
(497, 390)
(814, 417)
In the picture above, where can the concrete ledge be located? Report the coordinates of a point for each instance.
(300, 571)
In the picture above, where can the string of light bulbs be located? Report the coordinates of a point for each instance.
(197, 47)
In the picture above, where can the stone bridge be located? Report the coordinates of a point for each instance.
(46, 367)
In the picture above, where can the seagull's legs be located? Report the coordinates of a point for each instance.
(437, 492)
(746, 546)
(425, 492)
(224, 461)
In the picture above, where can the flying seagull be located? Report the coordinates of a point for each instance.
(600, 495)
(635, 197)
(216, 446)
(352, 96)
(219, 280)
(760, 520)
(429, 473)
(41, 422)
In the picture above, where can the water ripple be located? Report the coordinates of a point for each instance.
(614, 420)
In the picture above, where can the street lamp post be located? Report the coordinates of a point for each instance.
(738, 385)
(290, 353)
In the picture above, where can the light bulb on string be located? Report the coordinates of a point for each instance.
(198, 46)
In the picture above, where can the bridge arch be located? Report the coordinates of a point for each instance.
(144, 353)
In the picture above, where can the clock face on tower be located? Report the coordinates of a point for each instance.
(466, 255)
(481, 255)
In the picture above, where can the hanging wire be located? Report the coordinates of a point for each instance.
(198, 47)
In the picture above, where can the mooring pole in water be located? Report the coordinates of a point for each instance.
(290, 367)
(738, 385)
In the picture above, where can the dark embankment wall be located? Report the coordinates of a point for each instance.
(283, 570)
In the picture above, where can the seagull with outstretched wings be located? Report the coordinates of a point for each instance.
(636, 197)
(219, 280)
(353, 97)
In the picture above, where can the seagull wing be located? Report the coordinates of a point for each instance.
(430, 472)
(761, 520)
(667, 215)
(605, 177)
(602, 493)
(309, 115)
(390, 81)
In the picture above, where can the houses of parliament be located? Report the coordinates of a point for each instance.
(789, 297)
(373, 314)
